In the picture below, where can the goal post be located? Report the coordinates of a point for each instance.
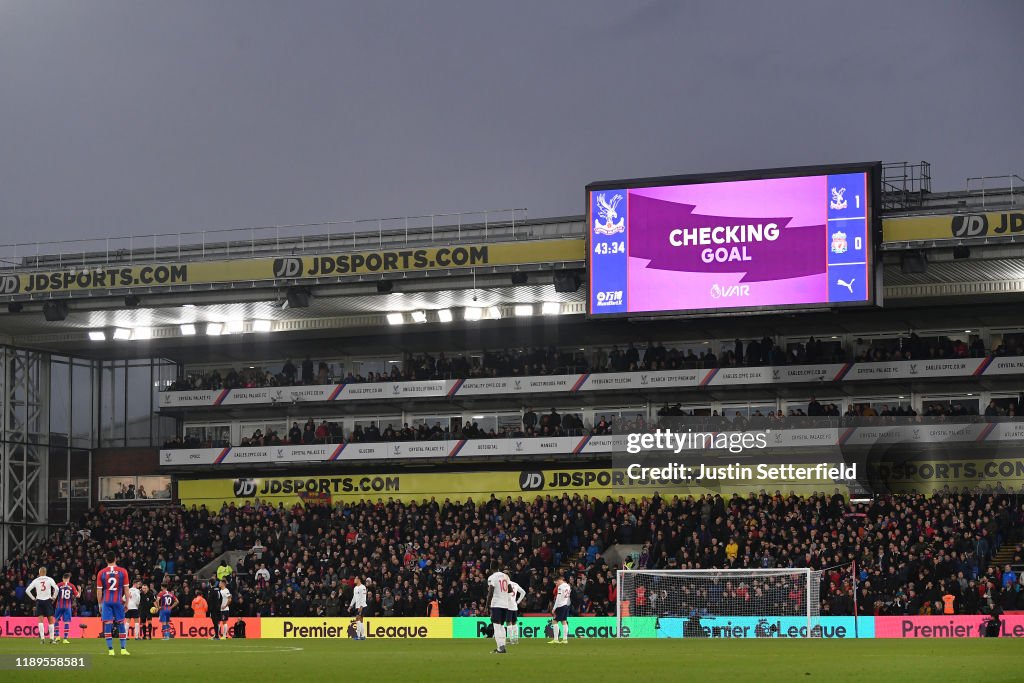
(721, 603)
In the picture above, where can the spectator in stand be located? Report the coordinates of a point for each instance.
(814, 408)
(295, 433)
(288, 372)
(309, 432)
(307, 371)
(529, 419)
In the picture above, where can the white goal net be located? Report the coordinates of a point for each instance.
(722, 603)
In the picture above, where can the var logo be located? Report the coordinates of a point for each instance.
(244, 487)
(531, 481)
(287, 267)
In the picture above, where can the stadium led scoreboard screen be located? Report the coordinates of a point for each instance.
(756, 241)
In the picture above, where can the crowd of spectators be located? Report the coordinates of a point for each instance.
(618, 358)
(301, 561)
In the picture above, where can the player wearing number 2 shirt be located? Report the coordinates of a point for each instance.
(111, 588)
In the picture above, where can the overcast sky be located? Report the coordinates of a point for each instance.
(138, 116)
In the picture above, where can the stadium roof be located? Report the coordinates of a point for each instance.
(302, 313)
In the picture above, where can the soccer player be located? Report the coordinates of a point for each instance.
(498, 598)
(43, 590)
(67, 592)
(225, 608)
(131, 615)
(357, 605)
(166, 601)
(560, 611)
(111, 589)
(515, 596)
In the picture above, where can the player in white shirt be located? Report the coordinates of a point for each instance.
(498, 598)
(356, 606)
(515, 596)
(43, 590)
(131, 614)
(560, 610)
(225, 609)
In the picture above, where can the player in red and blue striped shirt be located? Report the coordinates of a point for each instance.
(66, 594)
(166, 601)
(111, 590)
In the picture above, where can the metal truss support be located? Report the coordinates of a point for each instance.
(24, 436)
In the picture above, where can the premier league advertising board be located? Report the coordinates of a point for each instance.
(793, 238)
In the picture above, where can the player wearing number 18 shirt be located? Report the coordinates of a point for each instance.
(497, 597)
(66, 594)
(111, 588)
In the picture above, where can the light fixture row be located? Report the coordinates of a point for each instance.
(211, 329)
(473, 313)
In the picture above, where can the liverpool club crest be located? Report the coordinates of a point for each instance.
(839, 245)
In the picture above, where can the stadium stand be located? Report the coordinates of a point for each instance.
(910, 550)
(630, 357)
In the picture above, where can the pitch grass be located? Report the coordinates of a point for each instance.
(470, 661)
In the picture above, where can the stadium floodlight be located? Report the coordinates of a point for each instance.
(523, 310)
(494, 313)
(444, 315)
(214, 329)
(758, 593)
(97, 335)
(121, 333)
(187, 330)
(234, 327)
(551, 308)
(142, 333)
(419, 316)
(261, 326)
(473, 313)
(395, 318)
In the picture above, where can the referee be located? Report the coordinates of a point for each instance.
(146, 602)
